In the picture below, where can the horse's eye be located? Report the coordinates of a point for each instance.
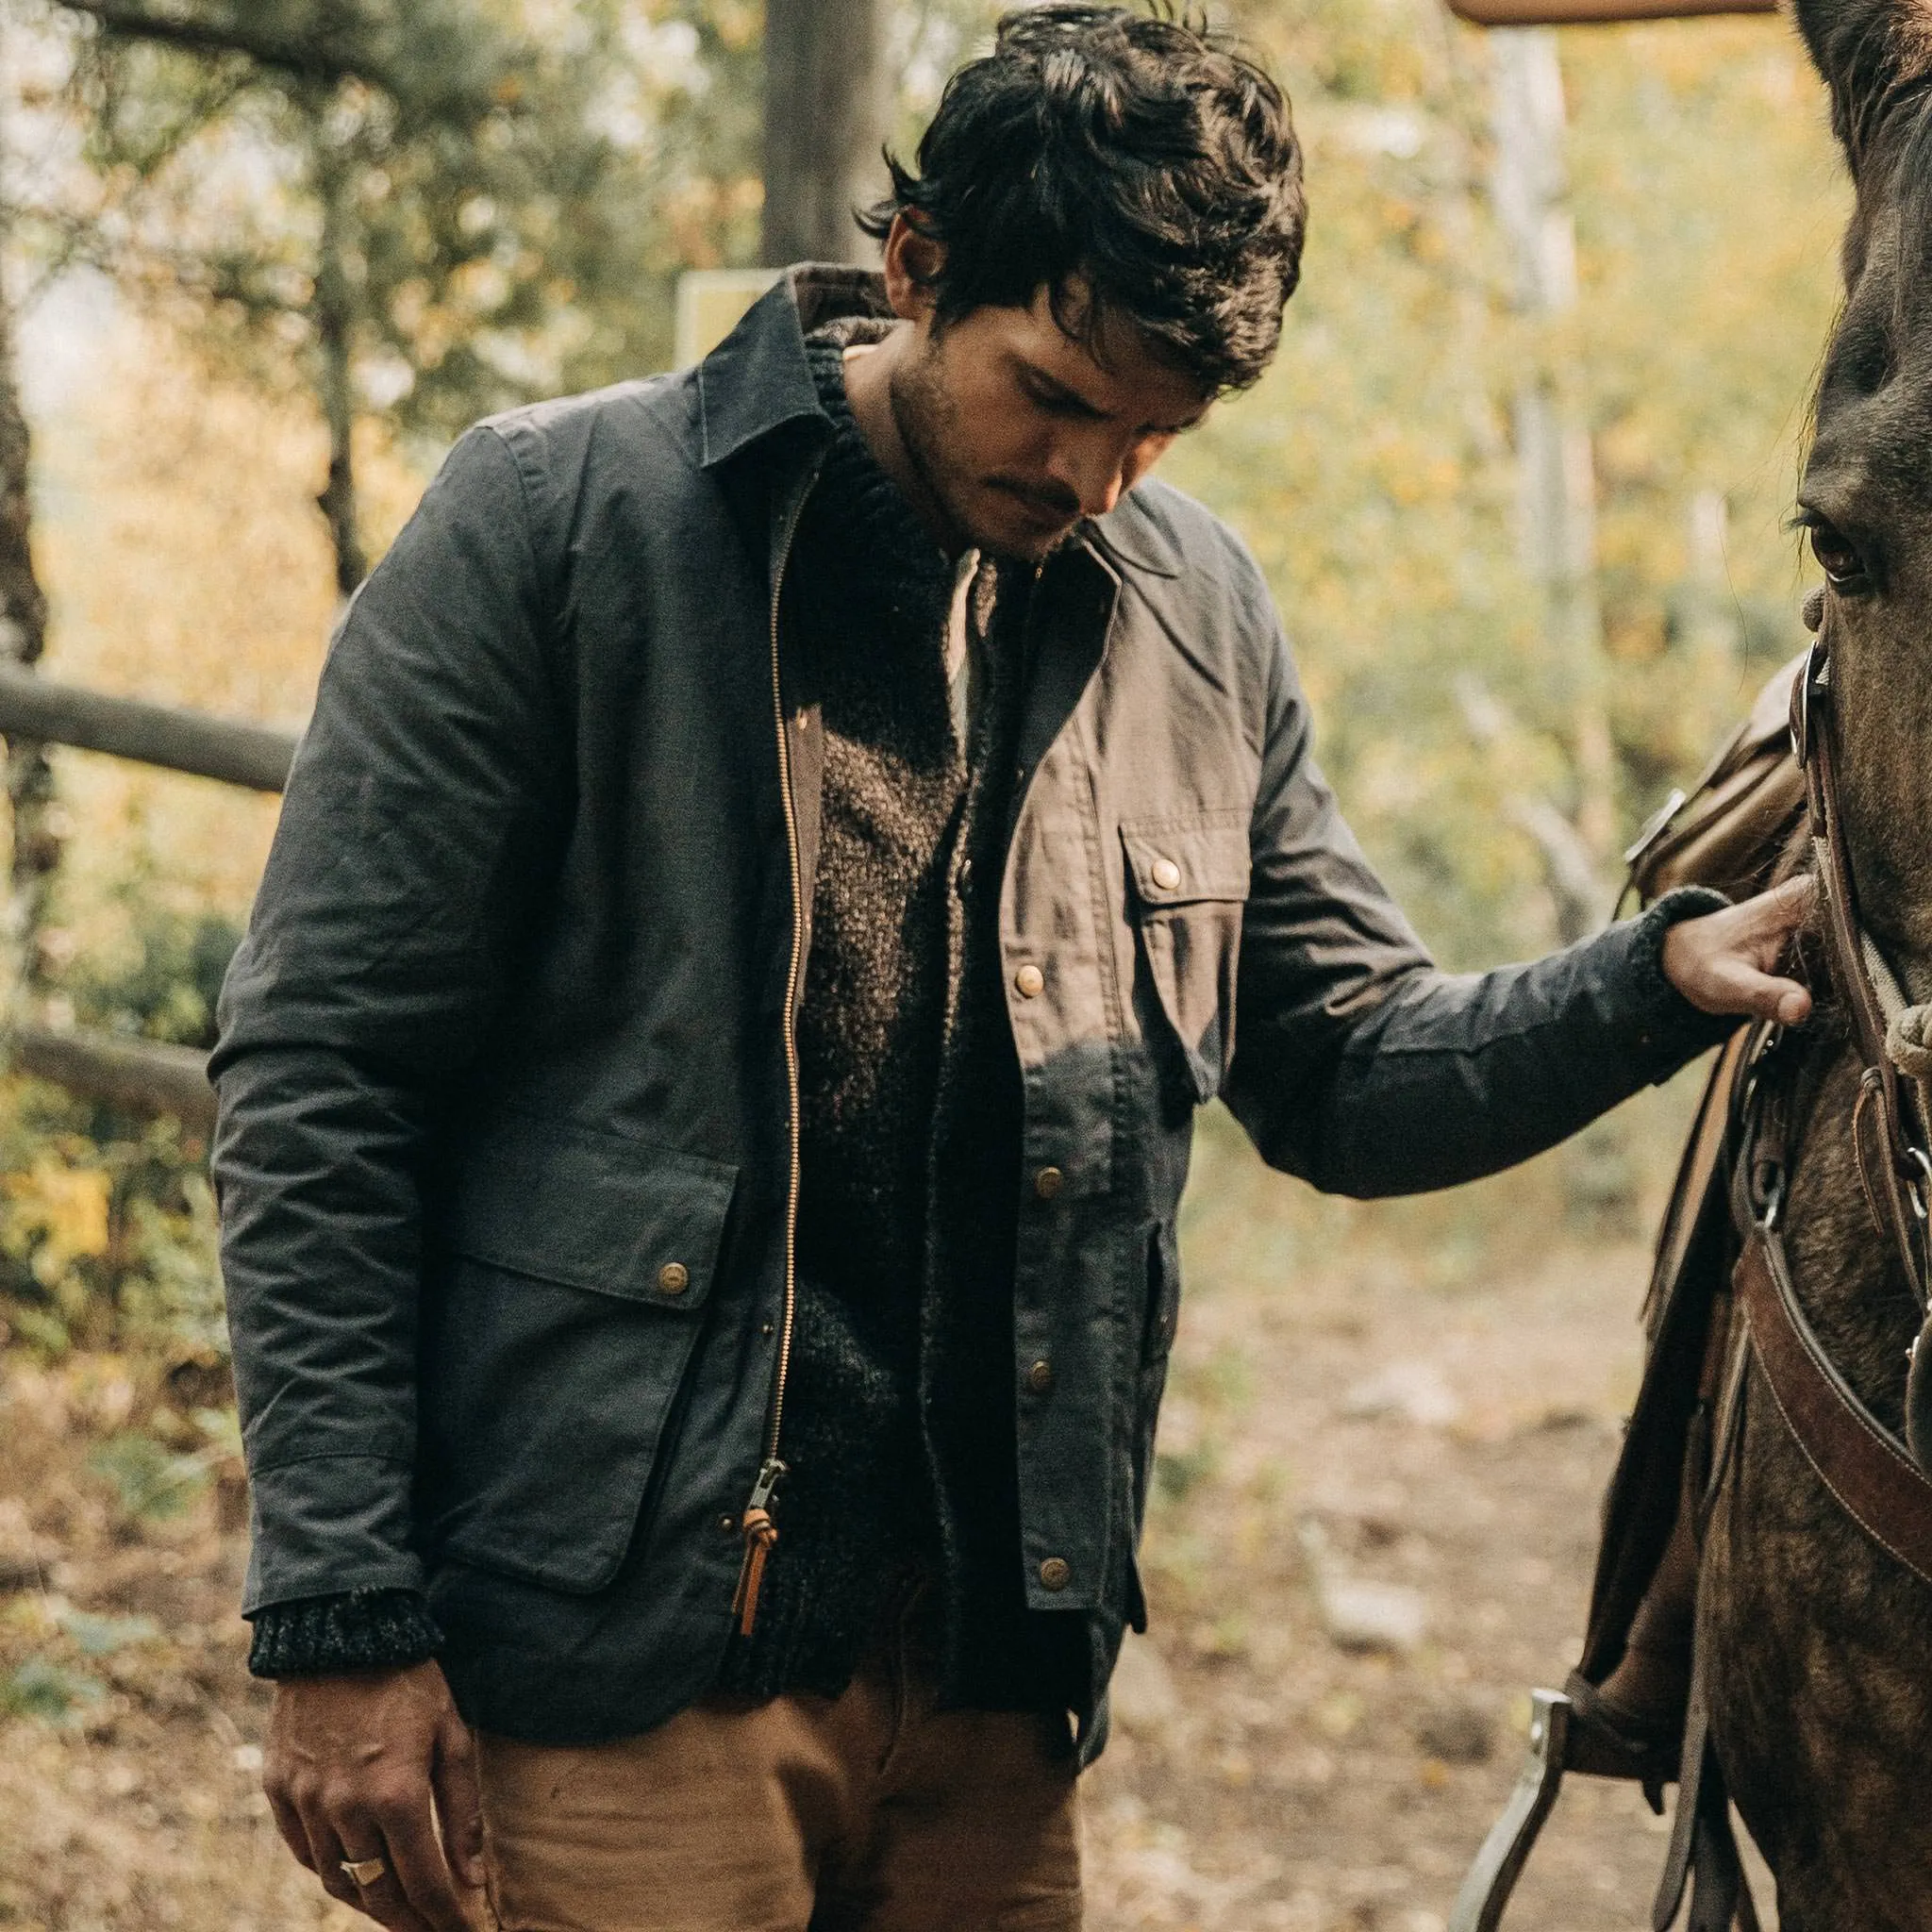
(1840, 563)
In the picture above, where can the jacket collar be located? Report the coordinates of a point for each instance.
(1128, 535)
(757, 380)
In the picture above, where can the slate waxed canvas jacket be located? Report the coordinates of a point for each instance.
(506, 1153)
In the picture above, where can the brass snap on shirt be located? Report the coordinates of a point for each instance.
(1167, 875)
(1048, 1182)
(673, 1279)
(1030, 982)
(1039, 1377)
(1056, 1574)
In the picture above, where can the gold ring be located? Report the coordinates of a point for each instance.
(365, 1872)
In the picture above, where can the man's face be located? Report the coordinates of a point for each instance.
(1017, 429)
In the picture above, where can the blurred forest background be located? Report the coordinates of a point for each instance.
(1518, 481)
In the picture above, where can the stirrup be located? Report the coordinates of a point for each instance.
(1499, 1864)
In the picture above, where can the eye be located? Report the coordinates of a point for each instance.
(1844, 569)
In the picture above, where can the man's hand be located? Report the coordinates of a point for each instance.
(377, 1764)
(1727, 962)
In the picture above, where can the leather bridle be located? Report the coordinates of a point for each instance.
(1889, 1129)
(1879, 1481)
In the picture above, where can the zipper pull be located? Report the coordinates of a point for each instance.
(760, 1533)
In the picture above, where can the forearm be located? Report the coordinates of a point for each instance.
(1456, 1077)
(316, 1161)
(422, 819)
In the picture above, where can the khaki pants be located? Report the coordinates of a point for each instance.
(868, 1812)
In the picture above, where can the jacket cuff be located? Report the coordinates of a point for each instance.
(359, 1630)
(1666, 1019)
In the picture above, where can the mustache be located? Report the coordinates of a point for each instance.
(1053, 503)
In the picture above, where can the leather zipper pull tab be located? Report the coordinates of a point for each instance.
(760, 1533)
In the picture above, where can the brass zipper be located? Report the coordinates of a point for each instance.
(756, 1525)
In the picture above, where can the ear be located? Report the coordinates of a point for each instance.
(912, 264)
(1866, 50)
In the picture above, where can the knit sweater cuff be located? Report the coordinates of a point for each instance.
(1667, 1015)
(361, 1630)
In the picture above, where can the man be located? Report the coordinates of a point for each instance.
(781, 853)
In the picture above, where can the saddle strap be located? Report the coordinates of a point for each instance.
(1867, 1469)
(1703, 1855)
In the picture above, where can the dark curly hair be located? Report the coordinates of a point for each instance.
(1133, 165)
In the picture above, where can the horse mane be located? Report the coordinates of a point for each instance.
(1882, 113)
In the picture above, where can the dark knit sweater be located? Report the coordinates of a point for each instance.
(899, 1427)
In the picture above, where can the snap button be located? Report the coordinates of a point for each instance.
(673, 1279)
(1048, 1182)
(1056, 1574)
(1039, 1377)
(1029, 982)
(1167, 875)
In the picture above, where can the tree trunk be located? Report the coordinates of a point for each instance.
(22, 638)
(825, 109)
(1558, 508)
(333, 310)
(1556, 468)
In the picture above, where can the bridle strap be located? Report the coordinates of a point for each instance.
(1878, 1480)
(1894, 1173)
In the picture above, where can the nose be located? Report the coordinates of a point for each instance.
(1090, 470)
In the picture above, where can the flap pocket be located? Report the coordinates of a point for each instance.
(1180, 861)
(592, 1212)
(1190, 887)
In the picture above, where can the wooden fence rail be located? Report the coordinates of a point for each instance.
(250, 756)
(144, 1075)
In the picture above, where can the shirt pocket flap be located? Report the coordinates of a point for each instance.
(1183, 861)
(615, 1217)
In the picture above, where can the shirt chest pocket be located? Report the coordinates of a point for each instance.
(1187, 887)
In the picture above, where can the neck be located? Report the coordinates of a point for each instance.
(869, 377)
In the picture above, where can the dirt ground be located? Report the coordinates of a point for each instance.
(1386, 1435)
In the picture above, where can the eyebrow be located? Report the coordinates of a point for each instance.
(1060, 392)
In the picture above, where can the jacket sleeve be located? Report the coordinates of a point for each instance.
(417, 837)
(1362, 1067)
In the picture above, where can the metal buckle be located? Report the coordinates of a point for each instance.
(1765, 1199)
(1915, 1188)
(1813, 678)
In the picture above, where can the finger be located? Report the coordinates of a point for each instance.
(1762, 995)
(1784, 908)
(289, 1823)
(382, 1899)
(459, 1800)
(421, 1869)
(331, 1850)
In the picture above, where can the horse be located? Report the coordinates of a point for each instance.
(1816, 1641)
(1762, 1629)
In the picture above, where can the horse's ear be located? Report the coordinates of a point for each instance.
(1865, 49)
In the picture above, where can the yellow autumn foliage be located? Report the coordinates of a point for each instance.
(56, 1215)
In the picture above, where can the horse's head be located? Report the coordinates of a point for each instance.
(1866, 487)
